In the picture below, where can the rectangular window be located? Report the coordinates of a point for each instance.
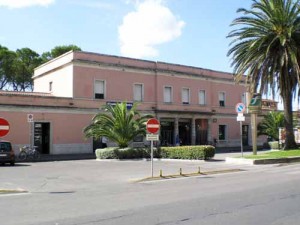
(50, 86)
(185, 96)
(138, 92)
(222, 132)
(222, 99)
(99, 89)
(202, 97)
(168, 94)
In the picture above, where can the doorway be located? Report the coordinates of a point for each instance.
(167, 133)
(41, 138)
(184, 133)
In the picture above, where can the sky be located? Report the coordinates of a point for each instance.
(187, 32)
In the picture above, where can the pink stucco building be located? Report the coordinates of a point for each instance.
(194, 105)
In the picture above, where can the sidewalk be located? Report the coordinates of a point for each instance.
(61, 157)
(219, 156)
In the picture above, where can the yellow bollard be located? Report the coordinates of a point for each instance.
(160, 173)
(199, 170)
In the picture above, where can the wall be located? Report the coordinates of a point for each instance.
(62, 82)
(66, 128)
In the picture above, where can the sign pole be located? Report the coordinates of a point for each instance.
(152, 127)
(241, 130)
(151, 158)
(240, 109)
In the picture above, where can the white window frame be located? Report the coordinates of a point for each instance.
(171, 94)
(141, 97)
(182, 96)
(104, 89)
(224, 100)
(199, 96)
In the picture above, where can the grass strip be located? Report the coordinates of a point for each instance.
(275, 155)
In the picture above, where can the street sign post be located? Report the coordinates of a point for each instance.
(4, 127)
(240, 109)
(152, 127)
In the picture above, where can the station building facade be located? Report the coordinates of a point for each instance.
(195, 106)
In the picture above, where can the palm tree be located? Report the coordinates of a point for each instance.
(270, 125)
(266, 47)
(118, 124)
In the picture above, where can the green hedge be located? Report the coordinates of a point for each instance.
(126, 153)
(178, 152)
(188, 152)
(274, 145)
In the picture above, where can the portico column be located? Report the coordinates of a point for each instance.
(176, 131)
(193, 141)
(209, 125)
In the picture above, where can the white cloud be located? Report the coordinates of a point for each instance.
(151, 24)
(24, 3)
(93, 4)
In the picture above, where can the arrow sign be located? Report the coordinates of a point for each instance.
(4, 127)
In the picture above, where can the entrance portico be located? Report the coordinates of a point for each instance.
(185, 131)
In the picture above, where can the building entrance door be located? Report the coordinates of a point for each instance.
(41, 137)
(167, 132)
(185, 133)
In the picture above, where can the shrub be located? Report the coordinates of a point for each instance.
(126, 153)
(106, 153)
(274, 144)
(179, 152)
(188, 152)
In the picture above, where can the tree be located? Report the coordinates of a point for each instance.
(118, 124)
(59, 50)
(270, 125)
(25, 63)
(7, 65)
(266, 47)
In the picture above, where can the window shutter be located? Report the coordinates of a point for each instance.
(138, 92)
(185, 96)
(99, 89)
(168, 94)
(202, 97)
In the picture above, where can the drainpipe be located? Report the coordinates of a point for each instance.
(156, 90)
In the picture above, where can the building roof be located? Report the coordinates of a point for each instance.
(25, 93)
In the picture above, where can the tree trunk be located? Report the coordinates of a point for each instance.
(288, 120)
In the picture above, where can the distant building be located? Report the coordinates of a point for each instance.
(193, 104)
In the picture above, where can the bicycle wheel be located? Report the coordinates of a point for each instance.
(36, 154)
(22, 155)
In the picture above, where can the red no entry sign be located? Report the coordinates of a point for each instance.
(152, 126)
(4, 127)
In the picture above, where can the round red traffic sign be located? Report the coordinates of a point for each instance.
(152, 125)
(4, 127)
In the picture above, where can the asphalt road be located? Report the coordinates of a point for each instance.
(89, 193)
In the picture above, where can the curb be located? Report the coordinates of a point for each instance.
(261, 161)
(12, 191)
(174, 176)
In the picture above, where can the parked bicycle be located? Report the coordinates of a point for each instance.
(29, 152)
